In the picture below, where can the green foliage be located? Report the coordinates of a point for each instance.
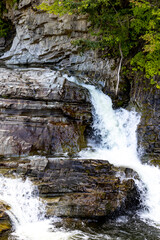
(132, 26)
(108, 25)
(11, 2)
(4, 26)
(2, 23)
(146, 23)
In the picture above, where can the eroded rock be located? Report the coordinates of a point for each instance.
(43, 38)
(146, 100)
(81, 188)
(41, 111)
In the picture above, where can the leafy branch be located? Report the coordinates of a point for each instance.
(129, 29)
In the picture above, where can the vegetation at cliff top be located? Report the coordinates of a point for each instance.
(4, 26)
(129, 29)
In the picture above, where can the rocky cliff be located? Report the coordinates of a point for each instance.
(41, 112)
(78, 188)
(43, 38)
(146, 100)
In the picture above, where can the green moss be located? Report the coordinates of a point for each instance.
(109, 208)
(155, 162)
(82, 141)
(4, 226)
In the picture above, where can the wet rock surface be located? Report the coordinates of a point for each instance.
(41, 111)
(43, 38)
(5, 223)
(81, 188)
(146, 99)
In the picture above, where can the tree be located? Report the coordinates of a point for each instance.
(146, 23)
(128, 28)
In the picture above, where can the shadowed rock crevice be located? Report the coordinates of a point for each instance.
(146, 100)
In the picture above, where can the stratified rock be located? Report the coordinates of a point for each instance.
(81, 188)
(146, 99)
(41, 111)
(43, 38)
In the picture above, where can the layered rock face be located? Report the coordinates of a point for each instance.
(147, 101)
(81, 188)
(41, 112)
(43, 38)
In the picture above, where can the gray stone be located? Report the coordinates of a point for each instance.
(82, 188)
(146, 100)
(41, 111)
(47, 38)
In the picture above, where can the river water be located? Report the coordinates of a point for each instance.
(117, 143)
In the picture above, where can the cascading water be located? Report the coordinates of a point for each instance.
(28, 212)
(117, 143)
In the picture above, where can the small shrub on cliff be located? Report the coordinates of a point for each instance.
(128, 28)
(4, 25)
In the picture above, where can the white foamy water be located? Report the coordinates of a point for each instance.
(28, 212)
(115, 140)
(117, 143)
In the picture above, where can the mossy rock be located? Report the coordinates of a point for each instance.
(5, 223)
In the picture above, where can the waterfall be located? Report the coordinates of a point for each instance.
(114, 140)
(117, 143)
(27, 212)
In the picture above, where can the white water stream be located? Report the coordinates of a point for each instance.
(28, 212)
(116, 131)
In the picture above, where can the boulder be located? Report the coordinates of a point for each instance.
(82, 188)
